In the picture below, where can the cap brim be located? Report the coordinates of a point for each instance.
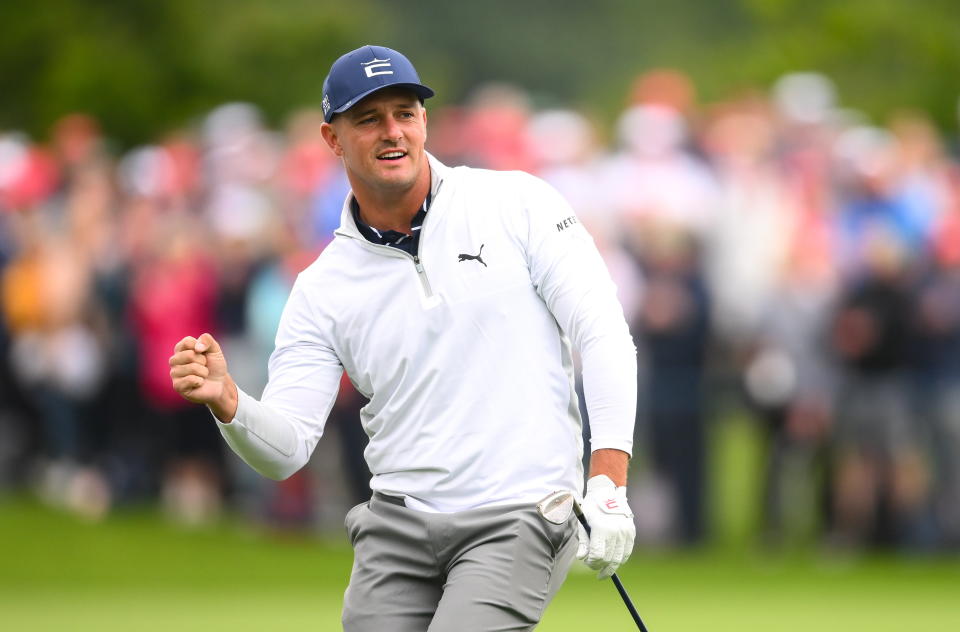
(421, 91)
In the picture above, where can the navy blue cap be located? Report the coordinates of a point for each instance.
(364, 71)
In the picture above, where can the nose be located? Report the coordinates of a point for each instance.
(392, 130)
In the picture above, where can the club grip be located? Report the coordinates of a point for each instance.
(583, 521)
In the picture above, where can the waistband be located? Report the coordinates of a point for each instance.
(393, 500)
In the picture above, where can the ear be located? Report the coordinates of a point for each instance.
(330, 136)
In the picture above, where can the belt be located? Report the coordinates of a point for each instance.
(387, 498)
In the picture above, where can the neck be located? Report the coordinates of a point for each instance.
(391, 210)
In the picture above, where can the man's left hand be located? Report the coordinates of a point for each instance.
(611, 527)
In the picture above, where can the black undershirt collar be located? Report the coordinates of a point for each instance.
(407, 243)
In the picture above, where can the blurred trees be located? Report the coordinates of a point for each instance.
(883, 54)
(143, 66)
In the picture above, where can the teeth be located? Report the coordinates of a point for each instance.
(392, 154)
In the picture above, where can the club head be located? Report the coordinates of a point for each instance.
(557, 507)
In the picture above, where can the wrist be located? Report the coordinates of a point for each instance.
(611, 463)
(224, 408)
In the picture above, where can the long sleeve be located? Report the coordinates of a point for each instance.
(573, 280)
(277, 434)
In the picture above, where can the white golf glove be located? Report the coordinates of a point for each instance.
(611, 527)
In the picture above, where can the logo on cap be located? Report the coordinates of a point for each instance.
(325, 104)
(371, 67)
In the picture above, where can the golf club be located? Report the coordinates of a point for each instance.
(556, 508)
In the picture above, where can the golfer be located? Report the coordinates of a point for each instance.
(453, 298)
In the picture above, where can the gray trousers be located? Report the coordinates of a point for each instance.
(485, 570)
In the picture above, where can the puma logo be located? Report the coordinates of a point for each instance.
(476, 257)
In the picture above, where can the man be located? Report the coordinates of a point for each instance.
(447, 296)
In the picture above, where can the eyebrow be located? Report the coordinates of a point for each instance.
(373, 110)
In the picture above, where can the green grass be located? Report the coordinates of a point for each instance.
(134, 572)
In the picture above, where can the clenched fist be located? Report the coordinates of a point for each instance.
(199, 373)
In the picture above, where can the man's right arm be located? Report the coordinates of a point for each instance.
(276, 435)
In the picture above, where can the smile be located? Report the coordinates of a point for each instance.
(392, 155)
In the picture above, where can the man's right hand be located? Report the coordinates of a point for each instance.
(199, 373)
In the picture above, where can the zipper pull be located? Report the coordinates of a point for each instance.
(416, 262)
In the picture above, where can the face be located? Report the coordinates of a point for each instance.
(381, 141)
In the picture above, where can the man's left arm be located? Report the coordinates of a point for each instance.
(573, 281)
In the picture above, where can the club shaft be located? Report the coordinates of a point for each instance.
(616, 582)
(627, 602)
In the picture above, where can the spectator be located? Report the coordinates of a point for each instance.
(813, 254)
(189, 458)
(880, 476)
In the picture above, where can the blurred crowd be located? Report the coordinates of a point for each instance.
(779, 258)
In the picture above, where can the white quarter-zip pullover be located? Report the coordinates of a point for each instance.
(464, 351)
